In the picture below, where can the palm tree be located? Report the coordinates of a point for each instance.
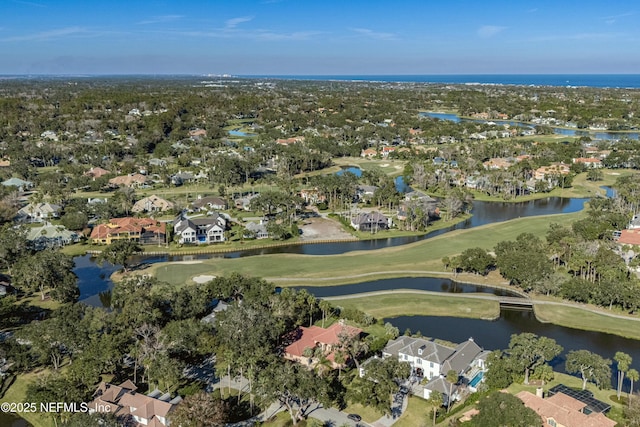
(325, 306)
(623, 360)
(436, 400)
(633, 376)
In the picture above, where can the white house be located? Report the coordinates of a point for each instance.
(38, 212)
(200, 230)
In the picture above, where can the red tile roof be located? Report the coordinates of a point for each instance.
(310, 337)
(128, 225)
(564, 411)
(629, 237)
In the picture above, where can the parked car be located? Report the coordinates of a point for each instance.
(354, 417)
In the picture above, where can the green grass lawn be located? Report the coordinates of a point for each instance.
(18, 393)
(414, 304)
(418, 413)
(580, 319)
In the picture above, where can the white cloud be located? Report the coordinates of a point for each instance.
(234, 22)
(161, 19)
(609, 20)
(374, 34)
(47, 35)
(487, 31)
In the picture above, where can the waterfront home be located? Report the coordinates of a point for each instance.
(370, 221)
(308, 345)
(432, 361)
(562, 410)
(255, 230)
(200, 230)
(141, 230)
(51, 236)
(555, 169)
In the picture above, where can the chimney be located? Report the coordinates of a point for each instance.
(539, 392)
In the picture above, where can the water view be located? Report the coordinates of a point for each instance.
(557, 130)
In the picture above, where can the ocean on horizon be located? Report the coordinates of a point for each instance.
(566, 80)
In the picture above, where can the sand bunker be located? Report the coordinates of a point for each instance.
(203, 278)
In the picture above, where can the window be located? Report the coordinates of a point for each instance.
(418, 361)
(431, 364)
(405, 357)
(551, 422)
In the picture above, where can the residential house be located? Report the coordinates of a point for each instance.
(152, 203)
(20, 184)
(555, 169)
(426, 357)
(218, 307)
(256, 230)
(200, 230)
(141, 230)
(312, 196)
(157, 162)
(129, 406)
(244, 202)
(433, 361)
(498, 163)
(5, 163)
(561, 410)
(365, 192)
(290, 141)
(197, 133)
(51, 236)
(418, 199)
(304, 344)
(210, 202)
(368, 153)
(96, 172)
(589, 162)
(387, 150)
(370, 221)
(182, 177)
(629, 237)
(131, 180)
(38, 212)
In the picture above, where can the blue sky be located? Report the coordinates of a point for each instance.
(246, 37)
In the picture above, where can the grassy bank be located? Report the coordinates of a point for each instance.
(413, 304)
(574, 317)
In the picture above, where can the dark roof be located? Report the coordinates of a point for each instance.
(584, 396)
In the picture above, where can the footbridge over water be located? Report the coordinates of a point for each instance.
(515, 302)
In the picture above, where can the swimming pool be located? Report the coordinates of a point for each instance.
(476, 380)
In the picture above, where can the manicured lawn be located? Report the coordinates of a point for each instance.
(418, 413)
(18, 393)
(415, 304)
(581, 319)
(390, 167)
(420, 258)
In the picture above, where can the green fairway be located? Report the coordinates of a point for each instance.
(416, 304)
(416, 259)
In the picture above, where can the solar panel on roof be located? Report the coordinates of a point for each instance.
(584, 396)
